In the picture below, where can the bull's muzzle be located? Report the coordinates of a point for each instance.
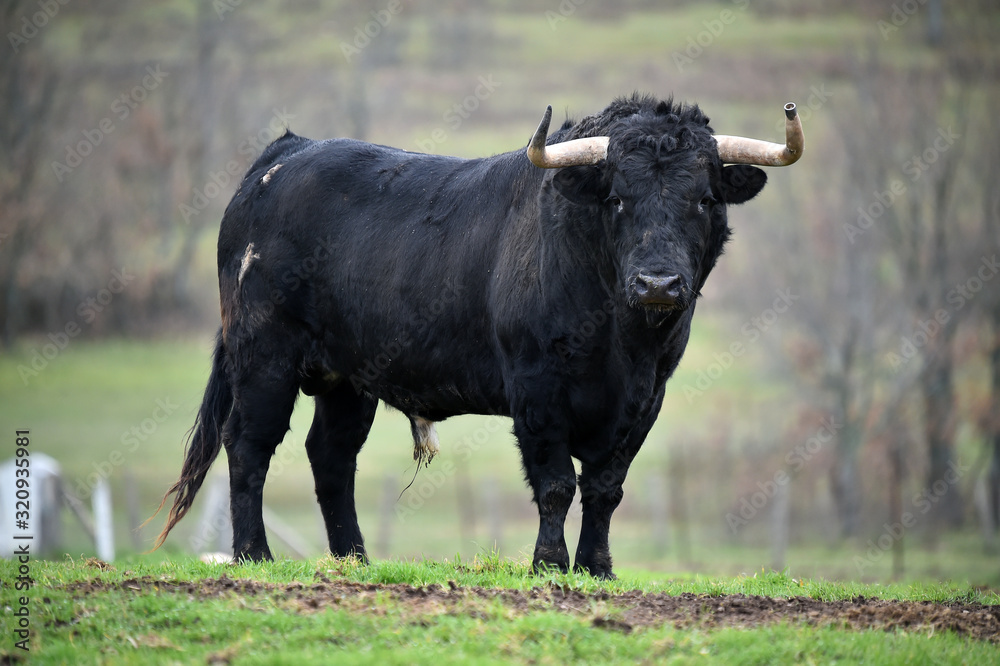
(661, 291)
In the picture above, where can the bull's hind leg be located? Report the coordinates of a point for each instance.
(257, 424)
(339, 429)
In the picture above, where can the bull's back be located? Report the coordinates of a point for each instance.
(385, 258)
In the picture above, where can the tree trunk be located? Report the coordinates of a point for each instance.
(993, 428)
(208, 37)
(896, 447)
(936, 386)
(846, 488)
(845, 484)
(939, 423)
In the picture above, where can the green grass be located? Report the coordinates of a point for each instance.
(493, 571)
(80, 406)
(170, 627)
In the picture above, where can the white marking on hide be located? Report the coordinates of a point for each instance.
(270, 172)
(425, 441)
(248, 258)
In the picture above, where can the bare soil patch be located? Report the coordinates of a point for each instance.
(621, 612)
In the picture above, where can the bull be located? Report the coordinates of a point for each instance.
(555, 286)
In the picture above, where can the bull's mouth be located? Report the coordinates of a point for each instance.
(658, 313)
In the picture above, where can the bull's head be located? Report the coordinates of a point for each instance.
(659, 180)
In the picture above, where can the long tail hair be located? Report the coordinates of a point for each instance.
(204, 443)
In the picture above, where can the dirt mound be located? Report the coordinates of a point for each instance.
(622, 612)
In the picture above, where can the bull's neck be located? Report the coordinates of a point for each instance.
(575, 245)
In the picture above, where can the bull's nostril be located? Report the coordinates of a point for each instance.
(672, 286)
(664, 290)
(641, 286)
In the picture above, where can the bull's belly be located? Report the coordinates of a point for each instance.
(451, 387)
(438, 402)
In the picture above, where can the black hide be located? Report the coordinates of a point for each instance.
(561, 298)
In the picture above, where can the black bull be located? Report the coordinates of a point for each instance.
(561, 297)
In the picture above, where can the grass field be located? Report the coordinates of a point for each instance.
(485, 610)
(450, 582)
(84, 404)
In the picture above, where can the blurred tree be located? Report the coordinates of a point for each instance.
(982, 246)
(911, 144)
(29, 82)
(829, 342)
(460, 35)
(207, 31)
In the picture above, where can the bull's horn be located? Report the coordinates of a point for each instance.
(741, 150)
(577, 152)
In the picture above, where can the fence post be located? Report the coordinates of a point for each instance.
(658, 514)
(103, 521)
(132, 505)
(466, 506)
(494, 510)
(779, 526)
(384, 538)
(215, 529)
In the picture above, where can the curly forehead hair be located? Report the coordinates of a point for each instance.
(645, 114)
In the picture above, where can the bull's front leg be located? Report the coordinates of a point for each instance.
(549, 470)
(601, 493)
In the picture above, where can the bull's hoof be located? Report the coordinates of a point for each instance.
(597, 571)
(542, 567)
(597, 563)
(253, 555)
(355, 552)
(548, 560)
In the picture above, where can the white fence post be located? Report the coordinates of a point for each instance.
(104, 532)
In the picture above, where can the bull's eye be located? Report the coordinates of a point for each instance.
(616, 204)
(705, 203)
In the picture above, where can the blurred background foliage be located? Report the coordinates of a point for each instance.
(845, 367)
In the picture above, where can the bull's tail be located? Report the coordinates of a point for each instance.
(204, 443)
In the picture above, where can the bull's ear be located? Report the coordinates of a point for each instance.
(741, 183)
(583, 185)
